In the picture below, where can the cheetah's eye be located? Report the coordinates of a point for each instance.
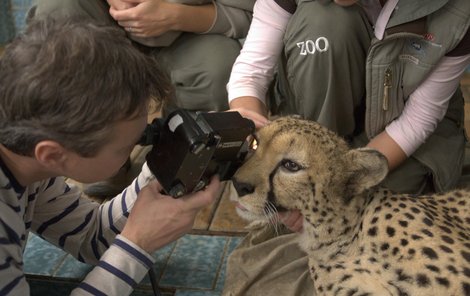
(290, 165)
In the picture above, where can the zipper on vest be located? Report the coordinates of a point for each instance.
(387, 87)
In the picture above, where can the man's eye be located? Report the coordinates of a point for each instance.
(291, 166)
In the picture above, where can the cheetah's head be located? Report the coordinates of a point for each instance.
(299, 164)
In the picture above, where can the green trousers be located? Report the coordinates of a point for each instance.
(198, 65)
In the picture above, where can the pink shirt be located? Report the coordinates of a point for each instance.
(254, 68)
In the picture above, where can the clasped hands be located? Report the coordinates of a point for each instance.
(144, 18)
(152, 18)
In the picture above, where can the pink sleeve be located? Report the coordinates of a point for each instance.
(428, 104)
(254, 68)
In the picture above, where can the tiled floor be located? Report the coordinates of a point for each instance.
(192, 266)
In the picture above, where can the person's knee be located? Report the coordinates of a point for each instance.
(218, 75)
(216, 65)
(97, 9)
(53, 7)
(411, 177)
(221, 58)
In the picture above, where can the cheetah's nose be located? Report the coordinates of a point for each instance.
(242, 188)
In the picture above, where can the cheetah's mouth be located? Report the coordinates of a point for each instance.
(271, 203)
(280, 209)
(248, 214)
(267, 213)
(241, 207)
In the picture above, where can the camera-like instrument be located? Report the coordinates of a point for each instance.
(190, 147)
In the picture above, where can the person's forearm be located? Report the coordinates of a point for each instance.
(120, 268)
(254, 68)
(194, 18)
(423, 110)
(428, 104)
(389, 148)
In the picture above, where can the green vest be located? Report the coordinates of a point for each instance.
(418, 34)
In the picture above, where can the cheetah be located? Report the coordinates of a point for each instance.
(360, 239)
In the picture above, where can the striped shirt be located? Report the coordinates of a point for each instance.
(57, 212)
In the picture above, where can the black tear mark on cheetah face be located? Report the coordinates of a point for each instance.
(360, 239)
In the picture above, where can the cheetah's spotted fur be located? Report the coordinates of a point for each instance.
(360, 239)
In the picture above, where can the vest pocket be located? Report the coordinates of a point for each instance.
(385, 100)
(396, 66)
(391, 95)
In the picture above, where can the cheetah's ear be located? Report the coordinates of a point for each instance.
(367, 168)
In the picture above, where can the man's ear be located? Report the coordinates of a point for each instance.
(368, 167)
(50, 154)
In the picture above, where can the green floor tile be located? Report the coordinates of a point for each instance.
(195, 262)
(41, 257)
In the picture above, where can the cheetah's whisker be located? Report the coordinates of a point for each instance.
(274, 218)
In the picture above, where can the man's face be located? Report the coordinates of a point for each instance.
(111, 157)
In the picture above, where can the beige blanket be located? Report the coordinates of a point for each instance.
(266, 263)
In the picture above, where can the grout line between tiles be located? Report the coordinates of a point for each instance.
(221, 263)
(166, 262)
(58, 265)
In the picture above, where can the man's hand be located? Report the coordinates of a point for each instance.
(293, 220)
(157, 219)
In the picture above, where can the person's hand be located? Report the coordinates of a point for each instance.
(120, 5)
(146, 18)
(257, 118)
(293, 220)
(157, 219)
(389, 148)
(251, 108)
(151, 18)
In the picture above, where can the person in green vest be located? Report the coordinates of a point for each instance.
(382, 74)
